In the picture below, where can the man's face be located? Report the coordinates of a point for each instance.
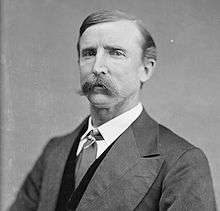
(111, 66)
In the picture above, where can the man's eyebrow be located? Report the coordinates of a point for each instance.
(84, 51)
(109, 47)
(88, 49)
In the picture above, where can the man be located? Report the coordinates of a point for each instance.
(119, 158)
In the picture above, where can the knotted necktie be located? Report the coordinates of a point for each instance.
(87, 155)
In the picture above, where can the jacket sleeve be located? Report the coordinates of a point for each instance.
(188, 185)
(28, 197)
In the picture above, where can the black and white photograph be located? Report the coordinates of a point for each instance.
(110, 105)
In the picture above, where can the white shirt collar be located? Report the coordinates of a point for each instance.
(112, 129)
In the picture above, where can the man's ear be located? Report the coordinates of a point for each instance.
(149, 67)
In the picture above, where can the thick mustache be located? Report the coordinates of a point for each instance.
(93, 81)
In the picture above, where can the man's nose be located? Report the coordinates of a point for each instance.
(99, 66)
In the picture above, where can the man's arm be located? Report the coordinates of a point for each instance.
(188, 185)
(28, 197)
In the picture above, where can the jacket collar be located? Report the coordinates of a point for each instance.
(146, 134)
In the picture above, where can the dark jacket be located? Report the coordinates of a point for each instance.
(148, 168)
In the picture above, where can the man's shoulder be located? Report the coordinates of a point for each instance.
(169, 140)
(169, 144)
(173, 147)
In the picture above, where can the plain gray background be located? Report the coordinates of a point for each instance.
(40, 75)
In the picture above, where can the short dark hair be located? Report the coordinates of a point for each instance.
(104, 16)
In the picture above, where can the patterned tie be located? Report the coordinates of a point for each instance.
(87, 155)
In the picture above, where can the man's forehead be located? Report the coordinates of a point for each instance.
(117, 32)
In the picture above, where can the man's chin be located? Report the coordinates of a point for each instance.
(100, 100)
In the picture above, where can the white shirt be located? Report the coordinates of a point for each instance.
(112, 129)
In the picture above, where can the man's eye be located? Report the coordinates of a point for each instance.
(116, 52)
(88, 53)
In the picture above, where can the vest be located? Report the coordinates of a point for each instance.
(69, 196)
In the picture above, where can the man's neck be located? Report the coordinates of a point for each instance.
(103, 115)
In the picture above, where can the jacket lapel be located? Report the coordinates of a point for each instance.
(55, 168)
(128, 170)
